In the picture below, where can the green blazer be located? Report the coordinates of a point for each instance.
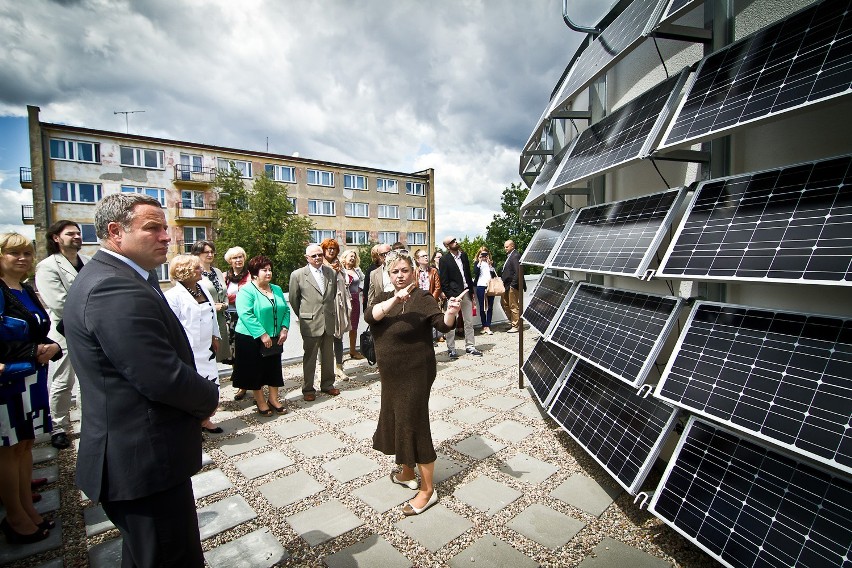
(256, 313)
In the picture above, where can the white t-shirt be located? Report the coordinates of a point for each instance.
(484, 274)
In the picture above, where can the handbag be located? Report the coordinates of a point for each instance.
(271, 351)
(14, 329)
(368, 348)
(495, 287)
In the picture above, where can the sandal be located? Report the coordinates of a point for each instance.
(278, 409)
(267, 412)
(241, 394)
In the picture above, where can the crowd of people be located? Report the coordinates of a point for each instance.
(102, 321)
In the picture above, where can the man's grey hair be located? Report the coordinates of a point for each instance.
(118, 208)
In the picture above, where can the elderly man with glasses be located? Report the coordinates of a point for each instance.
(454, 271)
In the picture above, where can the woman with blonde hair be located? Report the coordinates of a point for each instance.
(236, 277)
(355, 277)
(483, 272)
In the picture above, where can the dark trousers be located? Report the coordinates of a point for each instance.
(158, 530)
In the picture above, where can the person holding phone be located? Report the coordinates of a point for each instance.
(402, 323)
(483, 272)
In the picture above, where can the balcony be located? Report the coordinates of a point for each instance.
(194, 176)
(27, 214)
(26, 177)
(182, 213)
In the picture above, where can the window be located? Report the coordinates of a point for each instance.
(319, 236)
(415, 188)
(75, 150)
(281, 173)
(388, 211)
(190, 162)
(357, 237)
(156, 192)
(76, 192)
(320, 177)
(416, 213)
(191, 235)
(320, 207)
(88, 232)
(351, 181)
(416, 239)
(387, 185)
(354, 209)
(242, 166)
(292, 201)
(163, 272)
(388, 237)
(192, 199)
(142, 158)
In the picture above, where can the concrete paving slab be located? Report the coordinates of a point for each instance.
(324, 522)
(55, 563)
(339, 415)
(229, 426)
(439, 402)
(527, 468)
(611, 552)
(465, 392)
(264, 463)
(586, 494)
(350, 467)
(205, 459)
(445, 468)
(372, 552)
(361, 430)
(319, 445)
(442, 383)
(242, 444)
(293, 427)
(502, 402)
(289, 489)
(468, 374)
(372, 404)
(383, 495)
(472, 415)
(106, 554)
(45, 453)
(443, 430)
(96, 520)
(490, 551)
(354, 393)
(478, 447)
(223, 515)
(434, 528)
(487, 495)
(545, 526)
(258, 549)
(209, 482)
(11, 552)
(489, 368)
(511, 431)
(51, 472)
(531, 410)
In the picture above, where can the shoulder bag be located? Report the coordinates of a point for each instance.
(495, 287)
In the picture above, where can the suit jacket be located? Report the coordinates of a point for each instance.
(511, 270)
(453, 281)
(315, 308)
(377, 285)
(144, 399)
(54, 276)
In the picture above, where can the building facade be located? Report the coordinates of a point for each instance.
(73, 167)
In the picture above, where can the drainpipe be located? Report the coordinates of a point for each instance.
(577, 28)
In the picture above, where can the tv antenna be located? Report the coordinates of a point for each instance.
(126, 121)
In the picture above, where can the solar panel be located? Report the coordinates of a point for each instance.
(783, 377)
(749, 506)
(789, 224)
(622, 430)
(546, 239)
(545, 177)
(679, 7)
(627, 134)
(620, 37)
(548, 297)
(798, 61)
(544, 367)
(619, 331)
(619, 237)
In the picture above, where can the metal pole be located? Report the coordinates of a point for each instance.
(520, 325)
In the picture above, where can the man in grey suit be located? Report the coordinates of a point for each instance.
(54, 276)
(312, 291)
(140, 440)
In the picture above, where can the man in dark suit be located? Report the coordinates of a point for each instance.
(312, 291)
(140, 439)
(511, 298)
(454, 272)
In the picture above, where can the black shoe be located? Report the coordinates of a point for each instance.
(13, 537)
(241, 394)
(216, 430)
(452, 354)
(60, 441)
(473, 351)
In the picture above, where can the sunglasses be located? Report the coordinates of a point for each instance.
(318, 255)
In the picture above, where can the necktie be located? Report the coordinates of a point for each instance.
(155, 283)
(320, 279)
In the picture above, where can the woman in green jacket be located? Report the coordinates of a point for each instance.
(264, 319)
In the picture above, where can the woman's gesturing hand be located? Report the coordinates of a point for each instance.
(454, 304)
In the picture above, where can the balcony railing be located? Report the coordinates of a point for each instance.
(26, 177)
(27, 214)
(199, 213)
(194, 174)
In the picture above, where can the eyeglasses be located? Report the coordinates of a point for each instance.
(318, 255)
(452, 241)
(383, 253)
(483, 255)
(402, 251)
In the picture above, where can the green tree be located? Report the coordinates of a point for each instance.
(261, 219)
(509, 225)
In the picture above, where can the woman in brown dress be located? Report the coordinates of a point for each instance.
(402, 323)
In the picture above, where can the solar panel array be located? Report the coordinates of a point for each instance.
(621, 430)
(546, 239)
(544, 367)
(784, 377)
(788, 224)
(798, 61)
(626, 135)
(750, 506)
(619, 237)
(542, 182)
(548, 297)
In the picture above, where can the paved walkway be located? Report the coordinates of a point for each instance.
(307, 489)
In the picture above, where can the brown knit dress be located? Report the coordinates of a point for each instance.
(407, 370)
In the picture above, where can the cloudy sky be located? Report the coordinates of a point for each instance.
(455, 85)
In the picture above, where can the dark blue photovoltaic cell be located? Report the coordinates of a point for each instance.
(749, 506)
(801, 60)
(789, 224)
(544, 367)
(546, 300)
(619, 428)
(545, 240)
(785, 377)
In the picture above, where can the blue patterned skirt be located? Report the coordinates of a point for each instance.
(24, 408)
